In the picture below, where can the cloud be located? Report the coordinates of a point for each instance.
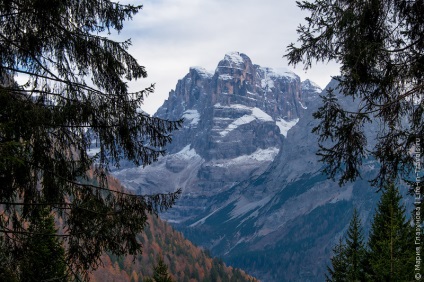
(171, 36)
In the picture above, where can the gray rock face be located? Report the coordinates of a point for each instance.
(236, 120)
(218, 107)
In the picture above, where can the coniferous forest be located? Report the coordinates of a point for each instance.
(389, 254)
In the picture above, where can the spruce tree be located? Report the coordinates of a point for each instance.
(355, 249)
(338, 270)
(349, 258)
(160, 272)
(391, 245)
(43, 253)
(75, 97)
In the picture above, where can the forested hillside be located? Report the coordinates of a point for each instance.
(185, 261)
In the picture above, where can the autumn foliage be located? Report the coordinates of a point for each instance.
(185, 261)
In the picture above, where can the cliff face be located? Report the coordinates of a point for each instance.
(236, 120)
(239, 98)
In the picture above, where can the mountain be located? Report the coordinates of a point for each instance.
(253, 191)
(236, 120)
(185, 261)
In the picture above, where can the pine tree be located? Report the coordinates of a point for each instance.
(43, 254)
(391, 249)
(75, 97)
(338, 270)
(160, 272)
(349, 258)
(355, 250)
(379, 45)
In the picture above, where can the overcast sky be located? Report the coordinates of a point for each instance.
(170, 36)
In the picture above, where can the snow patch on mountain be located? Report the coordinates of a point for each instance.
(267, 83)
(260, 155)
(278, 72)
(202, 72)
(234, 57)
(308, 85)
(285, 126)
(179, 167)
(243, 206)
(303, 106)
(225, 77)
(187, 153)
(255, 114)
(193, 116)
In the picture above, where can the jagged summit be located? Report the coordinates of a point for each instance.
(279, 72)
(310, 86)
(240, 61)
(237, 80)
(310, 91)
(201, 71)
(234, 60)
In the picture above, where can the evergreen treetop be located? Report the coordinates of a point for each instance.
(355, 249)
(349, 257)
(338, 270)
(391, 250)
(43, 256)
(160, 272)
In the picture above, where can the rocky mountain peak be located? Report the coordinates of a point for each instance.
(200, 72)
(310, 85)
(236, 123)
(235, 120)
(310, 93)
(235, 63)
